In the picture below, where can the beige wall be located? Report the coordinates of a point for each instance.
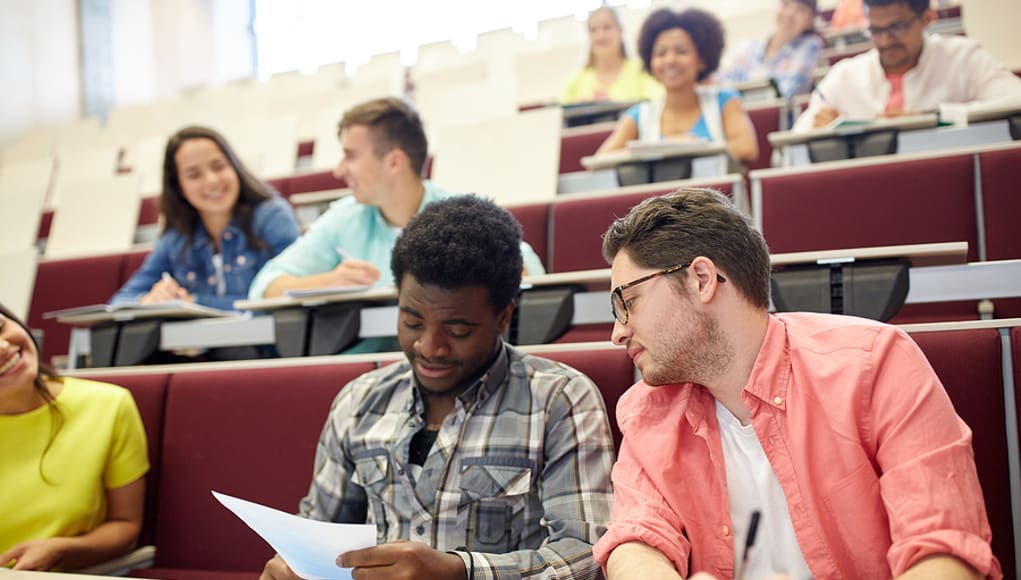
(38, 65)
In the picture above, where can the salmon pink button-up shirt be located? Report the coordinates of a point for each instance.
(876, 466)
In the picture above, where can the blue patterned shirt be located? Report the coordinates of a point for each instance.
(791, 66)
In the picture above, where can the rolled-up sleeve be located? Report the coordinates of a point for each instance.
(929, 484)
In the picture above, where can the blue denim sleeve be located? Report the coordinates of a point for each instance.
(157, 262)
(276, 224)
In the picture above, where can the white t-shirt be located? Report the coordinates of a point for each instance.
(752, 485)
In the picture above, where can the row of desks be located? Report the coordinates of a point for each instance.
(549, 304)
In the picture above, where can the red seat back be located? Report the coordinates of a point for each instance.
(250, 433)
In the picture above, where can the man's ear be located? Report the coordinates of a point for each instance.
(928, 17)
(396, 159)
(705, 273)
(503, 318)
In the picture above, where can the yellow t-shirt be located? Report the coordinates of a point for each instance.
(632, 84)
(101, 445)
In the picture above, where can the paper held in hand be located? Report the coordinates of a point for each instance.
(309, 547)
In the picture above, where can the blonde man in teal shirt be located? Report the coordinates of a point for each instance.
(384, 152)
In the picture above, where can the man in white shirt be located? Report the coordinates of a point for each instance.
(908, 71)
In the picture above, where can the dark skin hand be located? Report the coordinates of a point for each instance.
(403, 560)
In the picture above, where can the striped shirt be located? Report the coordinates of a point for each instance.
(519, 475)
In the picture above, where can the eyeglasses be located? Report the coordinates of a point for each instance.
(619, 306)
(895, 30)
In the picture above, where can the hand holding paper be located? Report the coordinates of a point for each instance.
(309, 547)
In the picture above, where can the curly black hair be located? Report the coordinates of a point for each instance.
(705, 30)
(462, 241)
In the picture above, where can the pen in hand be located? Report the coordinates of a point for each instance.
(753, 528)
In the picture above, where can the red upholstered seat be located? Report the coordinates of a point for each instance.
(579, 225)
(766, 120)
(534, 220)
(578, 144)
(149, 392)
(969, 365)
(877, 204)
(67, 283)
(245, 432)
(882, 204)
(610, 369)
(132, 262)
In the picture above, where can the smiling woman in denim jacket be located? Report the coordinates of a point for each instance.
(221, 225)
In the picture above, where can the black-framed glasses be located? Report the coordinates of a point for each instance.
(895, 30)
(619, 306)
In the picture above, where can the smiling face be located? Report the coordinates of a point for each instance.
(19, 363)
(208, 181)
(675, 62)
(366, 172)
(793, 17)
(668, 336)
(449, 336)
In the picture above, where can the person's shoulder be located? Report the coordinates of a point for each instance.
(342, 211)
(544, 370)
(727, 94)
(376, 385)
(94, 391)
(829, 333)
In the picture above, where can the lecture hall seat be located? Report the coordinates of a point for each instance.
(969, 364)
(1002, 211)
(246, 432)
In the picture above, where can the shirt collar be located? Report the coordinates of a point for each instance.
(771, 373)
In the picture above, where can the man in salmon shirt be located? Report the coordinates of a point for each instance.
(834, 429)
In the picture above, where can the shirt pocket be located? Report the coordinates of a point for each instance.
(372, 474)
(494, 491)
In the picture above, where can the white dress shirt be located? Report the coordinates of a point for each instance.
(951, 69)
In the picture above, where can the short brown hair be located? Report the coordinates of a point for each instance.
(393, 124)
(677, 227)
(705, 31)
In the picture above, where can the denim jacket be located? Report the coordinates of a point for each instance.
(191, 262)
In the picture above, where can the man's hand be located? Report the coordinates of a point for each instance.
(277, 569)
(38, 555)
(403, 560)
(824, 116)
(354, 272)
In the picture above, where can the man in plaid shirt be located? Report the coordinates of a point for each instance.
(473, 459)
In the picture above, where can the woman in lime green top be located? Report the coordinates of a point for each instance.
(72, 462)
(609, 75)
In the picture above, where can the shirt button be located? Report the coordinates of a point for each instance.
(777, 400)
(226, 268)
(400, 471)
(227, 235)
(212, 279)
(241, 260)
(190, 276)
(726, 530)
(420, 530)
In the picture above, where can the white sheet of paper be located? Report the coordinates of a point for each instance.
(309, 547)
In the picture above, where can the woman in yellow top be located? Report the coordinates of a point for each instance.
(609, 75)
(72, 462)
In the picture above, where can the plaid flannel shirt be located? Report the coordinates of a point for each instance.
(519, 475)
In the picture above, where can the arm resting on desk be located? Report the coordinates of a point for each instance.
(741, 141)
(940, 567)
(625, 131)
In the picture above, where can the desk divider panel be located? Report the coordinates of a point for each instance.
(579, 224)
(881, 204)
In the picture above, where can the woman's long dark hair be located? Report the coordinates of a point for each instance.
(181, 216)
(44, 373)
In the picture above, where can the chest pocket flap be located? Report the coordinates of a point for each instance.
(490, 477)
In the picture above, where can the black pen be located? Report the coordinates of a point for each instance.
(749, 541)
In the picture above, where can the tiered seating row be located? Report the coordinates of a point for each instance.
(249, 429)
